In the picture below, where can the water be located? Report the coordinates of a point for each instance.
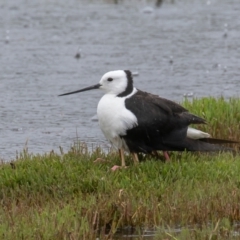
(173, 233)
(178, 49)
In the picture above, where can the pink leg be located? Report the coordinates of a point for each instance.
(100, 160)
(115, 167)
(165, 153)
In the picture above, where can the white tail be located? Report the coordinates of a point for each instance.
(196, 134)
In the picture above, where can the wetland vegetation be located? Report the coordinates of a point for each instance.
(68, 196)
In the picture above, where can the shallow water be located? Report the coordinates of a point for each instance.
(39, 40)
(165, 233)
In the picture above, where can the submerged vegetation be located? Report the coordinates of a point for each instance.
(68, 196)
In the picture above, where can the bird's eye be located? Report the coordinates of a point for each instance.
(109, 79)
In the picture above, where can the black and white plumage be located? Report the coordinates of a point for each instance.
(137, 121)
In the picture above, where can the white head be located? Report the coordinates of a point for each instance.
(117, 82)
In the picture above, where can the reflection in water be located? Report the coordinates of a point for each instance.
(39, 43)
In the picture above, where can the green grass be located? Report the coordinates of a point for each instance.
(223, 117)
(67, 196)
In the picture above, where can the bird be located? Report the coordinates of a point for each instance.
(135, 121)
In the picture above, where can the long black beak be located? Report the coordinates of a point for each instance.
(82, 90)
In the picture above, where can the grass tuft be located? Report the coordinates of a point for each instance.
(67, 196)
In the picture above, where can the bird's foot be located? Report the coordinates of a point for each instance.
(100, 160)
(116, 167)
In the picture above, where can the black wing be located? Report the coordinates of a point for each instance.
(161, 123)
(152, 110)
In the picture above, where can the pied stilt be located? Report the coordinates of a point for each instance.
(137, 121)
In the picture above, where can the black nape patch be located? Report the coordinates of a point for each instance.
(129, 87)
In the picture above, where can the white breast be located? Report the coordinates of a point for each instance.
(115, 119)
